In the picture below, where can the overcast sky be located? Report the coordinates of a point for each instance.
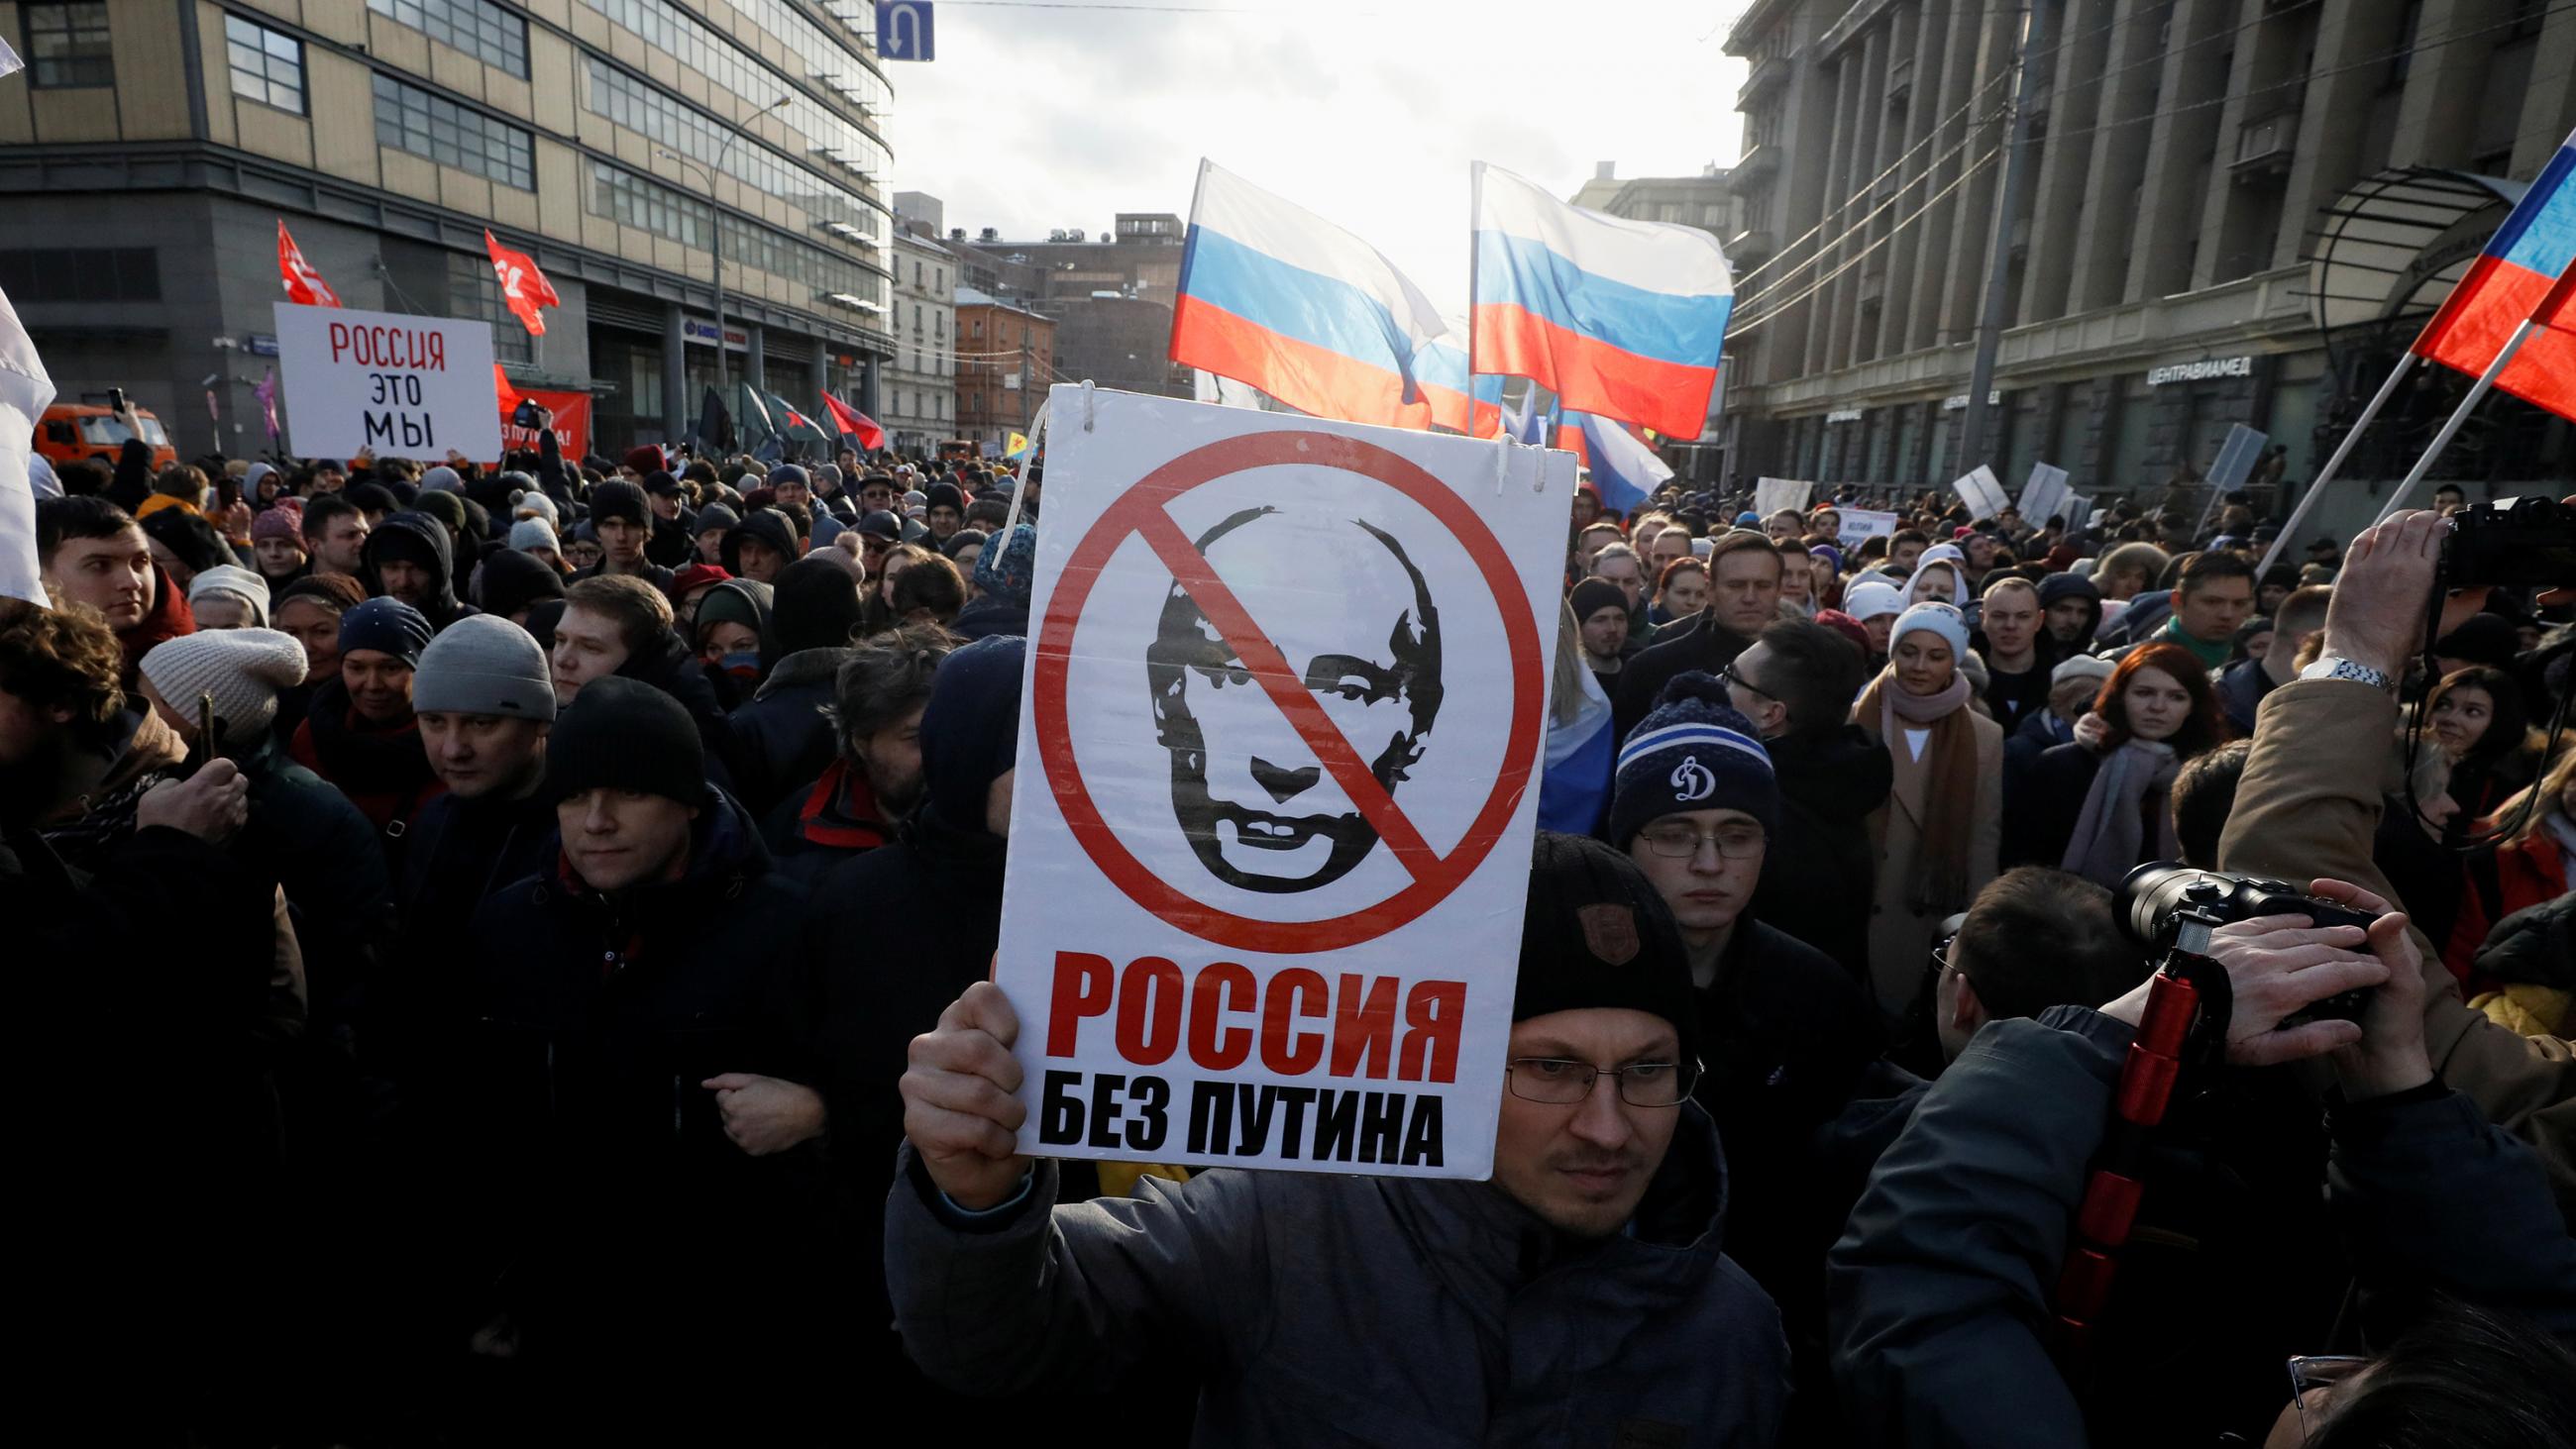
(1364, 111)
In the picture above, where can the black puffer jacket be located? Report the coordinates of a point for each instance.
(781, 737)
(1819, 872)
(672, 669)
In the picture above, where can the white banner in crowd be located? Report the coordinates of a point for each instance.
(1770, 495)
(26, 390)
(1287, 697)
(1983, 494)
(1860, 525)
(410, 387)
(2045, 494)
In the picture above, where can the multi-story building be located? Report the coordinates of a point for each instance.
(1110, 293)
(152, 146)
(919, 390)
(2235, 211)
(1005, 355)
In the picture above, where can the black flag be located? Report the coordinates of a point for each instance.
(715, 425)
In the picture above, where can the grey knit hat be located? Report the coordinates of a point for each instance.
(236, 582)
(530, 534)
(482, 664)
(242, 668)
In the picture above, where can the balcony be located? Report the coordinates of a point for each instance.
(2267, 143)
(1749, 248)
(1900, 79)
(1768, 71)
(1759, 162)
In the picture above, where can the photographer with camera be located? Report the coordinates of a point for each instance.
(2303, 806)
(1952, 1259)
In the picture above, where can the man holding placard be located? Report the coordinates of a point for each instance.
(1585, 1283)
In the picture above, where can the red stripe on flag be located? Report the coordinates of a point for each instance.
(2491, 301)
(1591, 376)
(1308, 378)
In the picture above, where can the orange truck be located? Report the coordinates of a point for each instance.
(70, 431)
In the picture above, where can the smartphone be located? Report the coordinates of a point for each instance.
(116, 399)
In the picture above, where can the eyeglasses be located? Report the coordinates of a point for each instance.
(1677, 840)
(1940, 961)
(1560, 1083)
(2313, 1382)
(1731, 675)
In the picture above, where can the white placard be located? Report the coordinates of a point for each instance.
(1770, 495)
(1979, 490)
(1272, 833)
(2045, 494)
(406, 387)
(1860, 525)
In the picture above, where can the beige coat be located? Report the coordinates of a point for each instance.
(2308, 806)
(1901, 936)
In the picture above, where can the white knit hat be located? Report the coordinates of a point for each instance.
(1932, 617)
(1871, 598)
(533, 504)
(235, 582)
(530, 534)
(242, 668)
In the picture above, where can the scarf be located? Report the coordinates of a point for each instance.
(2214, 656)
(1940, 880)
(2111, 830)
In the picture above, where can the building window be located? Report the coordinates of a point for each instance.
(67, 46)
(411, 119)
(82, 274)
(267, 67)
(473, 291)
(639, 106)
(477, 27)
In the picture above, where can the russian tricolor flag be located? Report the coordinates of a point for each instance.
(1624, 318)
(2513, 279)
(1451, 398)
(1626, 470)
(1275, 296)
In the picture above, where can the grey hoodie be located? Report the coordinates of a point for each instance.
(1330, 1310)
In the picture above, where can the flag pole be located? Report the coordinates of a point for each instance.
(1020, 480)
(2460, 415)
(2334, 465)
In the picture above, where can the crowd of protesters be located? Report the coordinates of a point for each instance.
(510, 949)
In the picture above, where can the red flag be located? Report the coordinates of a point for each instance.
(506, 395)
(850, 422)
(2521, 274)
(304, 286)
(522, 285)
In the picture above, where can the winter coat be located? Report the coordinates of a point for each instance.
(647, 570)
(1950, 1259)
(2304, 810)
(2034, 736)
(443, 610)
(1820, 860)
(988, 616)
(1700, 644)
(324, 852)
(673, 544)
(588, 1023)
(2241, 687)
(2043, 803)
(2526, 971)
(1328, 1310)
(780, 736)
(2531, 871)
(1901, 928)
(384, 772)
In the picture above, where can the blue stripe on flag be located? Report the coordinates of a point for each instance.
(1517, 271)
(1321, 311)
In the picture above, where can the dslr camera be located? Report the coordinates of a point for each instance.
(2519, 543)
(528, 415)
(2171, 908)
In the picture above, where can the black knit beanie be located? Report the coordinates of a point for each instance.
(623, 734)
(1595, 933)
(620, 499)
(970, 730)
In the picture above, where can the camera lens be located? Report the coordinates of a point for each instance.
(2148, 896)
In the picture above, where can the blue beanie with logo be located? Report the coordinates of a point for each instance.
(1692, 752)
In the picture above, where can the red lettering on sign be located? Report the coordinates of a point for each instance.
(339, 339)
(1221, 988)
(1083, 985)
(1149, 1011)
(1363, 1024)
(1295, 992)
(1432, 1016)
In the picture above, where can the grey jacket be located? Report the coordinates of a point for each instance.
(1327, 1310)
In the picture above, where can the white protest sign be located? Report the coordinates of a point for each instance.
(2079, 511)
(1979, 490)
(1860, 525)
(409, 387)
(1770, 495)
(2045, 494)
(1287, 698)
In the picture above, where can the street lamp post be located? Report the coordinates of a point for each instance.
(715, 226)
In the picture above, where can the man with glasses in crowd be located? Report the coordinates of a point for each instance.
(1583, 1285)
(1789, 1033)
